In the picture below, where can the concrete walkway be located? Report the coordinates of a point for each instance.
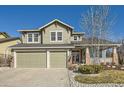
(34, 77)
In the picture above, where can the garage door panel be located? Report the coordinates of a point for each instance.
(58, 59)
(31, 59)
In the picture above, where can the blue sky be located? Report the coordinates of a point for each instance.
(13, 18)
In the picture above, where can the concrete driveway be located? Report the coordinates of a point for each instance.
(33, 77)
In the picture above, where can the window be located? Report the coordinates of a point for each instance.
(36, 37)
(33, 37)
(75, 37)
(29, 37)
(59, 36)
(56, 36)
(53, 36)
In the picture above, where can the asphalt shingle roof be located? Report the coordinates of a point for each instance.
(8, 39)
(41, 45)
(5, 34)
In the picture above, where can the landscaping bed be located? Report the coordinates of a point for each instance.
(106, 76)
(97, 76)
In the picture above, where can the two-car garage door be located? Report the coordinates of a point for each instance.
(31, 59)
(39, 59)
(58, 59)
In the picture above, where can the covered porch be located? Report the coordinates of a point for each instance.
(84, 54)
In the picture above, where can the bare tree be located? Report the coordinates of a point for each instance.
(96, 22)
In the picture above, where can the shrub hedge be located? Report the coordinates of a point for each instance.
(90, 69)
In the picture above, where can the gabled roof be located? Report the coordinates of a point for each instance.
(5, 34)
(56, 20)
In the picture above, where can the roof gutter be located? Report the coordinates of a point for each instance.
(40, 47)
(109, 45)
(28, 30)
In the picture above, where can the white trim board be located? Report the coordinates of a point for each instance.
(15, 59)
(42, 47)
(57, 21)
(48, 58)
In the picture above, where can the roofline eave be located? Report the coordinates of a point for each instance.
(54, 21)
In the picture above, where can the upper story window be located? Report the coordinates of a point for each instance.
(75, 38)
(56, 36)
(59, 36)
(36, 37)
(53, 36)
(30, 38)
(33, 38)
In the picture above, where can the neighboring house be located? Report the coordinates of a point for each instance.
(51, 46)
(6, 41)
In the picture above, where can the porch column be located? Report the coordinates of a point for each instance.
(69, 56)
(104, 56)
(115, 56)
(87, 56)
(68, 53)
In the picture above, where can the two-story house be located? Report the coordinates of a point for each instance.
(53, 46)
(47, 47)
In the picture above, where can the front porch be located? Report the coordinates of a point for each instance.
(84, 54)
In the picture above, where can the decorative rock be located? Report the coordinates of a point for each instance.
(122, 68)
(113, 66)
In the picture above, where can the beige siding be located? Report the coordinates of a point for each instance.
(45, 34)
(31, 59)
(5, 45)
(24, 37)
(57, 27)
(2, 36)
(58, 59)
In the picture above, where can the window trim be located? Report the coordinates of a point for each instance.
(51, 36)
(33, 37)
(28, 37)
(56, 36)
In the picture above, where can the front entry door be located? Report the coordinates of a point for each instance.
(76, 58)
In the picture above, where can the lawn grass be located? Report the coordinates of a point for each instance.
(107, 76)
